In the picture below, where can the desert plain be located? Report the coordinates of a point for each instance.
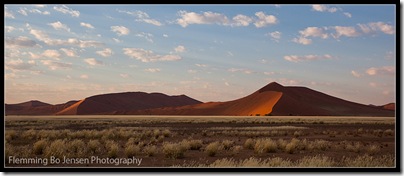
(202, 141)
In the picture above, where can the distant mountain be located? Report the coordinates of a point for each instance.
(35, 108)
(275, 99)
(127, 101)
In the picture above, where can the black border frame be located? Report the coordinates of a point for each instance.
(105, 170)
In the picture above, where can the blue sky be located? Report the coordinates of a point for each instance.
(57, 53)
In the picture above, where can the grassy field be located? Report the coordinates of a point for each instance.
(178, 141)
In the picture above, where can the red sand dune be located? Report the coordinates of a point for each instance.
(390, 106)
(110, 103)
(274, 99)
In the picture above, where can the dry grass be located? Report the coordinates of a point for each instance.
(265, 146)
(212, 148)
(76, 148)
(39, 146)
(195, 144)
(227, 144)
(357, 147)
(150, 150)
(249, 144)
(173, 150)
(291, 147)
(370, 161)
(315, 161)
(112, 149)
(94, 146)
(57, 148)
(372, 149)
(132, 150)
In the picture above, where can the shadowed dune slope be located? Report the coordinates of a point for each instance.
(127, 101)
(307, 102)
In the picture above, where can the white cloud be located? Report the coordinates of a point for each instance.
(87, 25)
(71, 41)
(8, 14)
(34, 56)
(116, 40)
(310, 32)
(263, 61)
(323, 8)
(295, 58)
(142, 17)
(386, 92)
(53, 65)
(201, 65)
(187, 18)
(92, 61)
(51, 54)
(264, 20)
(229, 53)
(20, 42)
(365, 28)
(39, 12)
(66, 10)
(148, 56)
(356, 74)
(40, 5)
(84, 76)
(345, 31)
(9, 28)
(242, 20)
(302, 40)
(147, 36)
(314, 32)
(105, 53)
(275, 36)
(180, 49)
(69, 52)
(18, 65)
(246, 71)
(385, 70)
(151, 21)
(389, 55)
(192, 71)
(124, 75)
(58, 25)
(377, 26)
(152, 70)
(373, 84)
(120, 30)
(349, 15)
(165, 35)
(226, 83)
(23, 12)
(269, 73)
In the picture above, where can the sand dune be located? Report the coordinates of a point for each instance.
(35, 108)
(390, 106)
(128, 101)
(274, 99)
